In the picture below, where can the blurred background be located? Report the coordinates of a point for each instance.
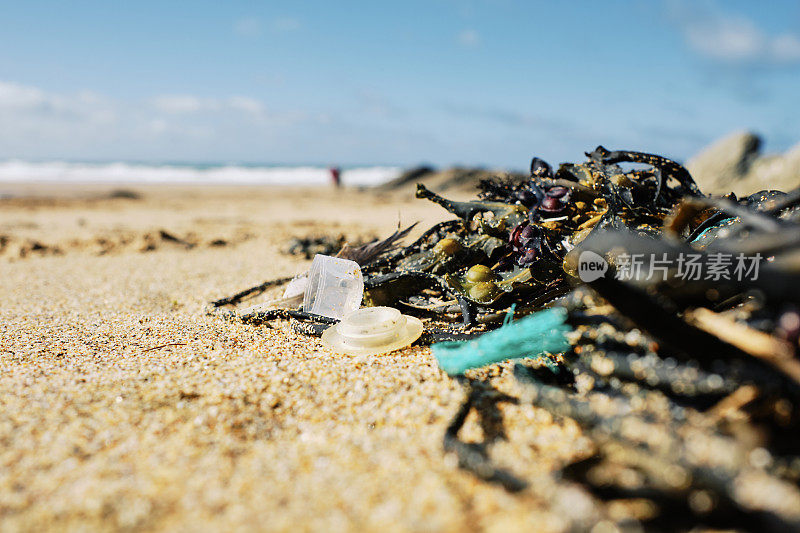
(277, 92)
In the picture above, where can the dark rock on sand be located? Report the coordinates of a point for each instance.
(411, 175)
(455, 179)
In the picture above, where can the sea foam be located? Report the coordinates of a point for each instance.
(120, 172)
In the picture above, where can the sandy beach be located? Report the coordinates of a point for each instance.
(607, 237)
(124, 406)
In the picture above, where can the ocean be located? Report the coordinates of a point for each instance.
(124, 172)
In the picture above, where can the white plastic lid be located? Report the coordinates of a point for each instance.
(371, 331)
(335, 287)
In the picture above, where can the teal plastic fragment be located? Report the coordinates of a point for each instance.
(715, 226)
(531, 336)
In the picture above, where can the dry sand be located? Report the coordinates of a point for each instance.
(124, 406)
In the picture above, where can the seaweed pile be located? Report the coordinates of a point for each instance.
(688, 386)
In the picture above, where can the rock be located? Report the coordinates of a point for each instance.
(411, 175)
(781, 172)
(735, 164)
(455, 181)
(456, 178)
(724, 162)
(125, 194)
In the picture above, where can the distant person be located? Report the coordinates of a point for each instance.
(336, 176)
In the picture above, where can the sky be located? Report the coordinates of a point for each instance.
(398, 83)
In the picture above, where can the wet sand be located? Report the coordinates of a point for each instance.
(124, 406)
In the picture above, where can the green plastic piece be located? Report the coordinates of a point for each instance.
(531, 336)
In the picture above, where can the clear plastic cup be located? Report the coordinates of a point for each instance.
(335, 287)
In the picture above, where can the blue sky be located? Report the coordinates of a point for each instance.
(440, 81)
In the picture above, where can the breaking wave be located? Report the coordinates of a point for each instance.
(120, 172)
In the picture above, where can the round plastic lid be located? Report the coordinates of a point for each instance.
(372, 331)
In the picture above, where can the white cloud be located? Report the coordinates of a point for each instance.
(247, 27)
(158, 126)
(39, 123)
(180, 103)
(786, 48)
(725, 39)
(469, 38)
(286, 24)
(84, 105)
(177, 104)
(251, 27)
(13, 95)
(245, 104)
(732, 39)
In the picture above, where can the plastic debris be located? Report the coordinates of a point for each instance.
(542, 332)
(335, 287)
(296, 287)
(701, 358)
(372, 331)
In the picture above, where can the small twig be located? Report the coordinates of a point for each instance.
(163, 346)
(764, 346)
(258, 289)
(732, 403)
